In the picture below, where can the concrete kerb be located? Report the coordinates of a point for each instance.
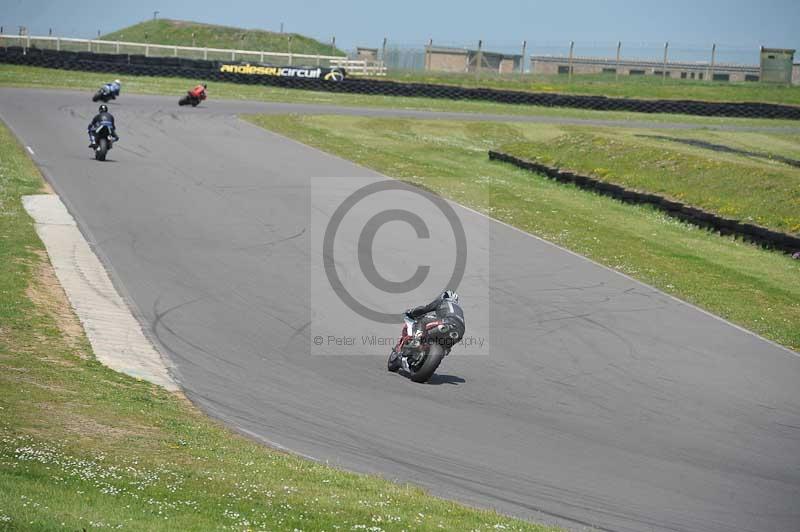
(116, 337)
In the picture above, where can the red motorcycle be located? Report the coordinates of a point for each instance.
(414, 354)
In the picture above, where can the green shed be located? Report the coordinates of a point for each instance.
(776, 65)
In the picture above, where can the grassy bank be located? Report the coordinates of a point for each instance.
(649, 87)
(188, 33)
(748, 176)
(25, 76)
(758, 289)
(84, 448)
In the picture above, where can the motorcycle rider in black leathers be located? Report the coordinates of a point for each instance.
(445, 308)
(103, 117)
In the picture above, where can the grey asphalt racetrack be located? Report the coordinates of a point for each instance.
(604, 402)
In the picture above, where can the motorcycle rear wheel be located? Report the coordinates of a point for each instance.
(425, 369)
(101, 150)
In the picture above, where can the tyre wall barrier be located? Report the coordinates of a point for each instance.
(761, 236)
(155, 66)
(210, 70)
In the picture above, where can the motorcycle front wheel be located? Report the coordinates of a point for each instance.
(393, 364)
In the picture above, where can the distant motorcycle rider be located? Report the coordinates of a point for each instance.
(102, 118)
(444, 308)
(113, 88)
(199, 92)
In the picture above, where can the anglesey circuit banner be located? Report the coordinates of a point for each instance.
(329, 74)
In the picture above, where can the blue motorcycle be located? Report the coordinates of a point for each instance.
(107, 92)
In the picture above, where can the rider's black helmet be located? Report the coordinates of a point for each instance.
(102, 109)
(205, 86)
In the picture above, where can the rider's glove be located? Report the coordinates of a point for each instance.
(407, 314)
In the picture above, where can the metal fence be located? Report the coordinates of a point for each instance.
(190, 52)
(410, 56)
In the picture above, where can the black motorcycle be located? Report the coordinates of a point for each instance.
(190, 100)
(414, 354)
(104, 139)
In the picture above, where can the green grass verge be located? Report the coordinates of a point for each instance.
(757, 289)
(187, 33)
(749, 182)
(83, 447)
(649, 87)
(26, 76)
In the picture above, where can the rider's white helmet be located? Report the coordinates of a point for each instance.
(449, 295)
(118, 82)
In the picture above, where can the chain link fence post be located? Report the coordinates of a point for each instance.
(713, 60)
(571, 47)
(479, 59)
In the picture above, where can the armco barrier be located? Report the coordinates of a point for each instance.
(209, 70)
(707, 220)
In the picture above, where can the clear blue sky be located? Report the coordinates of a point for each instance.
(501, 23)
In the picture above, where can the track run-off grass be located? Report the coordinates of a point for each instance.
(640, 87)
(37, 77)
(757, 289)
(750, 176)
(84, 448)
